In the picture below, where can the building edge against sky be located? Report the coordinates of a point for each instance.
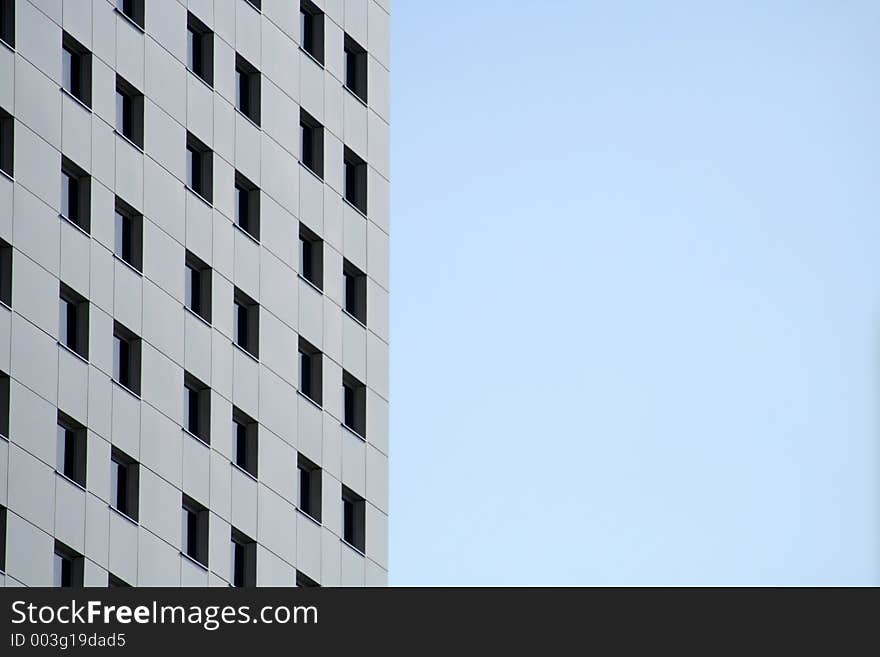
(194, 276)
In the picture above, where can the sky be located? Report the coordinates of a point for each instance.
(635, 293)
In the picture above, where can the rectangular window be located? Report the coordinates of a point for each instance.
(133, 10)
(309, 488)
(311, 257)
(7, 22)
(353, 519)
(247, 89)
(129, 112)
(68, 567)
(355, 68)
(199, 168)
(129, 235)
(75, 195)
(70, 452)
(304, 580)
(194, 534)
(2, 538)
(7, 143)
(200, 49)
(355, 180)
(126, 358)
(246, 320)
(245, 446)
(73, 321)
(354, 396)
(354, 291)
(76, 69)
(197, 408)
(310, 376)
(311, 24)
(198, 287)
(5, 273)
(311, 143)
(124, 475)
(244, 559)
(247, 206)
(4, 405)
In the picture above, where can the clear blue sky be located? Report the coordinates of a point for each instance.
(635, 292)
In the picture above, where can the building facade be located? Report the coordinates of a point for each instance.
(194, 275)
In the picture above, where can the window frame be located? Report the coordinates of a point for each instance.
(130, 491)
(354, 180)
(354, 520)
(247, 206)
(194, 530)
(354, 403)
(248, 83)
(78, 195)
(243, 545)
(75, 563)
(194, 266)
(7, 23)
(311, 143)
(7, 143)
(311, 256)
(133, 10)
(132, 358)
(199, 168)
(310, 362)
(197, 408)
(70, 301)
(246, 319)
(311, 21)
(128, 220)
(245, 429)
(354, 291)
(309, 488)
(129, 112)
(76, 78)
(355, 68)
(199, 46)
(71, 449)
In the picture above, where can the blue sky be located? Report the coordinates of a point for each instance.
(635, 293)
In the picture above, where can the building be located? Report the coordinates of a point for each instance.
(194, 225)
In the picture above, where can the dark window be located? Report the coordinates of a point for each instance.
(133, 9)
(355, 68)
(70, 452)
(7, 22)
(354, 291)
(126, 358)
(73, 321)
(246, 320)
(311, 23)
(256, 4)
(7, 143)
(115, 582)
(198, 287)
(355, 180)
(309, 488)
(304, 580)
(196, 408)
(194, 538)
(247, 89)
(6, 273)
(200, 49)
(244, 433)
(310, 371)
(2, 538)
(124, 475)
(68, 566)
(354, 395)
(199, 168)
(75, 194)
(4, 405)
(129, 235)
(76, 69)
(244, 560)
(311, 257)
(129, 112)
(311, 143)
(247, 206)
(353, 518)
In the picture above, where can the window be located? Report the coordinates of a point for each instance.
(200, 49)
(7, 141)
(354, 291)
(309, 488)
(199, 168)
(198, 287)
(194, 539)
(129, 112)
(353, 518)
(244, 560)
(244, 432)
(311, 143)
(247, 89)
(354, 395)
(4, 405)
(7, 22)
(246, 320)
(6, 273)
(76, 70)
(68, 566)
(75, 195)
(311, 23)
(310, 371)
(247, 206)
(129, 234)
(133, 10)
(115, 582)
(124, 475)
(256, 4)
(2, 538)
(73, 321)
(304, 580)
(126, 358)
(70, 451)
(355, 180)
(196, 408)
(311, 257)
(355, 68)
